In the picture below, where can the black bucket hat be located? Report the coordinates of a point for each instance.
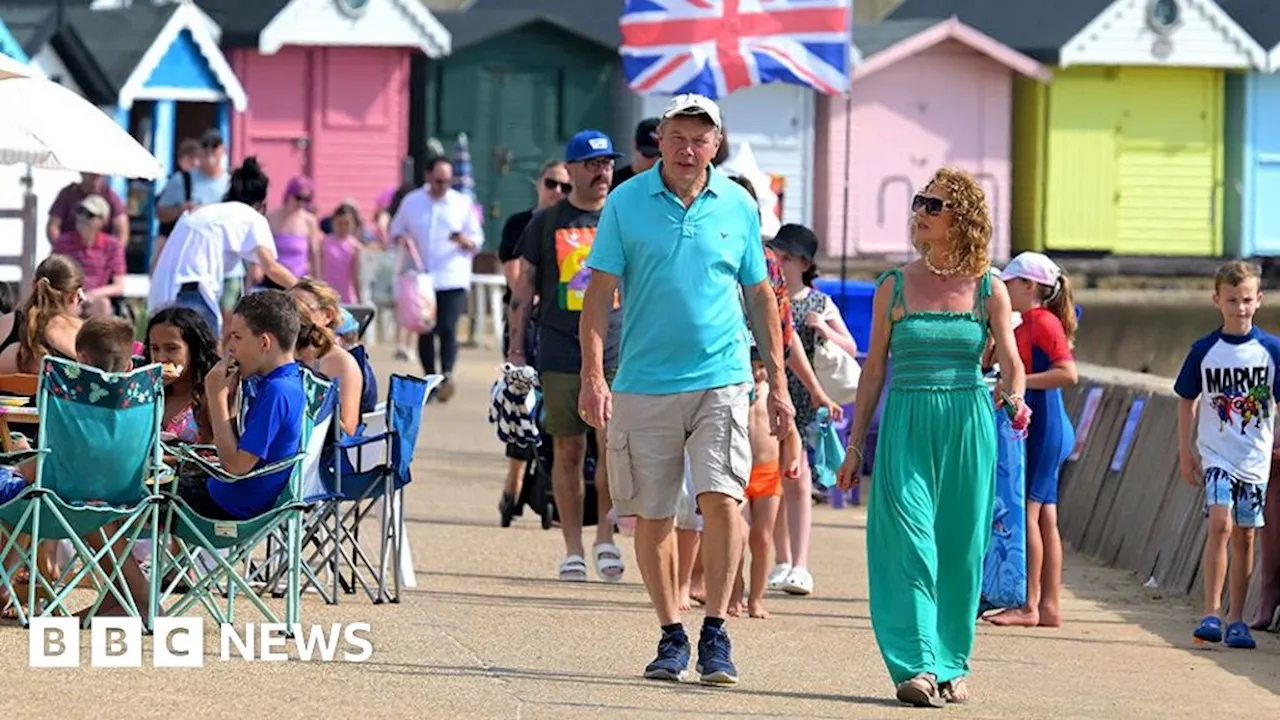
(796, 240)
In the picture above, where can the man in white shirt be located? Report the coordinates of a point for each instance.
(208, 241)
(445, 227)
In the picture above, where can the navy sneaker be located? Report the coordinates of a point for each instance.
(715, 663)
(672, 660)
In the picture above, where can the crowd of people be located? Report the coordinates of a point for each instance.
(674, 345)
(706, 442)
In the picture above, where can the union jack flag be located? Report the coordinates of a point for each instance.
(713, 47)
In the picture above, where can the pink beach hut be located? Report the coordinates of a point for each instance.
(925, 93)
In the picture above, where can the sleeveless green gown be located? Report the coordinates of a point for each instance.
(932, 490)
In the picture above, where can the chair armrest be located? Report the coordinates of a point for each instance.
(18, 457)
(216, 472)
(350, 442)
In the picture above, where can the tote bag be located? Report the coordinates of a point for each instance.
(838, 372)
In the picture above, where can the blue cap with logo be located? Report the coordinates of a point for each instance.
(589, 144)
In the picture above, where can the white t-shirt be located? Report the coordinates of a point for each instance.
(430, 222)
(203, 247)
(1234, 377)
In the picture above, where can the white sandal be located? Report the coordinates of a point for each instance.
(778, 576)
(573, 569)
(798, 582)
(609, 564)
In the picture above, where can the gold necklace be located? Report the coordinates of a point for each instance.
(946, 272)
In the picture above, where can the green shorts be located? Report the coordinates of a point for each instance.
(232, 289)
(560, 403)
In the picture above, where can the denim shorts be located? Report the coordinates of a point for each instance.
(1244, 500)
(191, 298)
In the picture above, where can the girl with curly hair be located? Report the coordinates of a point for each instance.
(183, 343)
(929, 516)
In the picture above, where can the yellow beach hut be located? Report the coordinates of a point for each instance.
(1123, 153)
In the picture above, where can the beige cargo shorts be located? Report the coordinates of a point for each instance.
(649, 435)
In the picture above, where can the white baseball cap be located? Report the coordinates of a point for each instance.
(693, 104)
(1033, 266)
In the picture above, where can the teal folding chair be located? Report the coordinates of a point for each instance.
(98, 463)
(230, 544)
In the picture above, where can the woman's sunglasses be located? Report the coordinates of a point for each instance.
(550, 184)
(930, 205)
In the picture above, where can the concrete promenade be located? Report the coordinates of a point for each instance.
(490, 633)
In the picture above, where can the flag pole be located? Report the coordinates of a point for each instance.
(848, 149)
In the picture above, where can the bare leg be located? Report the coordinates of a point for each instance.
(656, 556)
(721, 549)
(1241, 572)
(687, 542)
(1029, 614)
(763, 513)
(1051, 574)
(697, 583)
(1269, 568)
(515, 477)
(797, 495)
(604, 502)
(736, 602)
(566, 480)
(782, 537)
(1215, 558)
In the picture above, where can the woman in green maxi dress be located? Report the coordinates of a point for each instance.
(933, 482)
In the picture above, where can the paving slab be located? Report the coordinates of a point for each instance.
(490, 633)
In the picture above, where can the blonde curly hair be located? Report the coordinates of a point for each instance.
(970, 232)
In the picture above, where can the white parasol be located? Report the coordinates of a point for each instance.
(48, 126)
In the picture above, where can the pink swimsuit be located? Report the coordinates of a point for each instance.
(339, 265)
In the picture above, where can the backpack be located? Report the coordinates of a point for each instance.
(167, 228)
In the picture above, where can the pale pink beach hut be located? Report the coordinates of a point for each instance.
(925, 93)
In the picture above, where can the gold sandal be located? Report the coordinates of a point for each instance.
(954, 691)
(920, 691)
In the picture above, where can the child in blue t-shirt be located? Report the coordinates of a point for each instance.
(1229, 379)
(261, 336)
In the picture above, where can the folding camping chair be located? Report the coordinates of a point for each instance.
(240, 539)
(357, 489)
(98, 462)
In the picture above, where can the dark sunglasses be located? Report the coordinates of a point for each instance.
(930, 205)
(85, 214)
(302, 198)
(550, 184)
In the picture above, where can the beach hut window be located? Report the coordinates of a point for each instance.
(353, 8)
(1164, 15)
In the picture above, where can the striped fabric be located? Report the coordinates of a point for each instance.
(514, 406)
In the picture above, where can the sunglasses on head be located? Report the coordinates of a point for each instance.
(930, 205)
(551, 184)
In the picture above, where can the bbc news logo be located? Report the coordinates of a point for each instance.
(179, 642)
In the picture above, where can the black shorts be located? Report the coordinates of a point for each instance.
(195, 492)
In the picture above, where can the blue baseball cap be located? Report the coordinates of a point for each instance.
(589, 144)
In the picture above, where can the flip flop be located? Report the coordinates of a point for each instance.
(955, 692)
(920, 691)
(609, 565)
(573, 569)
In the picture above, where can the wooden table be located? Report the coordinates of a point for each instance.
(24, 415)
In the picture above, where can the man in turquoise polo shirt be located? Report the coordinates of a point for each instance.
(682, 241)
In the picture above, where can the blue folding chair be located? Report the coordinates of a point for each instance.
(356, 490)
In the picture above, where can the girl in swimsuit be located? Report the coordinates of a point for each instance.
(49, 319)
(296, 229)
(319, 306)
(182, 342)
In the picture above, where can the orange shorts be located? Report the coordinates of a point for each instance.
(766, 481)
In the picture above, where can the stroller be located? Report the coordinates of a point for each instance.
(536, 489)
